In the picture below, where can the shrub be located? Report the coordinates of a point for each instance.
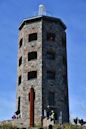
(7, 126)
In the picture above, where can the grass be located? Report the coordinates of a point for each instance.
(57, 126)
(7, 126)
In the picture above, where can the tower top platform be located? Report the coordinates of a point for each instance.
(39, 18)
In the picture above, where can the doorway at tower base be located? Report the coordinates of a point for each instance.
(31, 100)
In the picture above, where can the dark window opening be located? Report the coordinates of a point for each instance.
(32, 56)
(64, 42)
(19, 80)
(32, 37)
(19, 103)
(51, 99)
(18, 110)
(51, 55)
(20, 43)
(64, 60)
(51, 37)
(50, 74)
(20, 61)
(66, 96)
(32, 75)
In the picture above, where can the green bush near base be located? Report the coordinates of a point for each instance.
(7, 126)
(68, 126)
(57, 126)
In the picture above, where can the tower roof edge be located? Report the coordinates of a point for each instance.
(39, 18)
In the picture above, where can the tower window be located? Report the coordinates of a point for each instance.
(19, 103)
(64, 42)
(50, 36)
(66, 96)
(51, 99)
(32, 75)
(19, 80)
(51, 74)
(51, 55)
(64, 60)
(32, 37)
(18, 110)
(32, 56)
(20, 61)
(20, 43)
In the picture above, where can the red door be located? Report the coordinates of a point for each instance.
(31, 99)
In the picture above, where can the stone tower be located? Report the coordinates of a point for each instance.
(42, 69)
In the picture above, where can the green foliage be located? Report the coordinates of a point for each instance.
(68, 126)
(56, 126)
(7, 126)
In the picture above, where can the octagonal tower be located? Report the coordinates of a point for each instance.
(42, 66)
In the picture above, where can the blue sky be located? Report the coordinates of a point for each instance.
(73, 13)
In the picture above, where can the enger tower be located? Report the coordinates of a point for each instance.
(42, 83)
